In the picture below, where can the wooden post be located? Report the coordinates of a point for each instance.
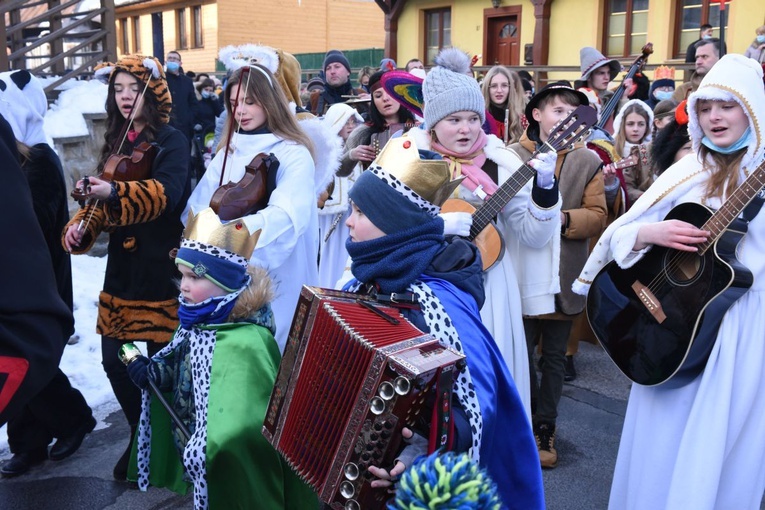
(5, 65)
(541, 50)
(392, 10)
(109, 26)
(57, 44)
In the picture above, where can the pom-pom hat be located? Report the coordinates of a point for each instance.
(733, 78)
(591, 59)
(450, 87)
(144, 69)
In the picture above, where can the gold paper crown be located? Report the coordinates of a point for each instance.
(664, 73)
(233, 236)
(429, 178)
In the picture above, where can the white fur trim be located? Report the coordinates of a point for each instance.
(150, 63)
(620, 117)
(234, 57)
(327, 151)
(103, 74)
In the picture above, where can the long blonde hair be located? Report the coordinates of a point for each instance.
(724, 171)
(261, 86)
(516, 99)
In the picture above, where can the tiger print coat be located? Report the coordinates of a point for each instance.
(139, 300)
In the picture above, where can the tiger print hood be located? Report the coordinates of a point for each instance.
(143, 68)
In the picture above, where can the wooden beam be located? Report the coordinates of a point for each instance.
(396, 7)
(541, 49)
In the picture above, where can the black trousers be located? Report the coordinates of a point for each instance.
(53, 413)
(128, 395)
(545, 393)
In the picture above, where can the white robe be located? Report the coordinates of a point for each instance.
(288, 244)
(521, 222)
(700, 446)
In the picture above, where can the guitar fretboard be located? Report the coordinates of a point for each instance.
(730, 210)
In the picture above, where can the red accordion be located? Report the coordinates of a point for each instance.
(352, 376)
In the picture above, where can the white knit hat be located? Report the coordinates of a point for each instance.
(733, 78)
(448, 88)
(620, 117)
(338, 114)
(591, 59)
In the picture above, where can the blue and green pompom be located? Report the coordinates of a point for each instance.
(445, 482)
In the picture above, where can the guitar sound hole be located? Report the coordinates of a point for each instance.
(682, 268)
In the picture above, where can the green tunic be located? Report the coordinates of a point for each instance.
(243, 469)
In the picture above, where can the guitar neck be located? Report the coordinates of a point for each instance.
(499, 199)
(608, 110)
(730, 210)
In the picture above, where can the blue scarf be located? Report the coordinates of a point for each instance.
(740, 144)
(396, 260)
(214, 310)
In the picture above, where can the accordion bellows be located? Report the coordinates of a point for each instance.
(349, 381)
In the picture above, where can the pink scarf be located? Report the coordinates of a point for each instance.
(469, 164)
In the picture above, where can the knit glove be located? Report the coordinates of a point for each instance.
(138, 371)
(457, 223)
(417, 445)
(544, 164)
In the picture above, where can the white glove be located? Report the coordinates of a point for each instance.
(457, 223)
(544, 164)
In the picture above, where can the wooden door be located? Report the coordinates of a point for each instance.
(502, 36)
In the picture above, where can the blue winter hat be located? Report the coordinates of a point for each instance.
(225, 269)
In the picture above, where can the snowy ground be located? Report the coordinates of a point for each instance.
(82, 361)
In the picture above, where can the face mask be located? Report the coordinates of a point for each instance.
(706, 37)
(172, 66)
(663, 95)
(206, 94)
(740, 144)
(761, 39)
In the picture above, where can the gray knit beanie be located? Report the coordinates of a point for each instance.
(448, 88)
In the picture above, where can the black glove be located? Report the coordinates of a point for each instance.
(138, 370)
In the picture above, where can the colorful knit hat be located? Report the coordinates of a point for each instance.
(446, 481)
(450, 87)
(144, 69)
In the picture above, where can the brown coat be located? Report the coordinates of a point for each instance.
(580, 181)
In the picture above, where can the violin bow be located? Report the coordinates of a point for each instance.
(232, 120)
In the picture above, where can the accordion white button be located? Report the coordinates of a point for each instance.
(386, 391)
(402, 385)
(377, 405)
(347, 490)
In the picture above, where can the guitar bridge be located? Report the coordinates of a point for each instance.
(649, 301)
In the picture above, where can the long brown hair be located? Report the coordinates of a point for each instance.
(516, 99)
(261, 86)
(115, 120)
(724, 171)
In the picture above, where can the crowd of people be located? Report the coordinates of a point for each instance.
(372, 191)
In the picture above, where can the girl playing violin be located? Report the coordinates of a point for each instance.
(261, 122)
(139, 298)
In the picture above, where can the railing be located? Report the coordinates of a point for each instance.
(50, 38)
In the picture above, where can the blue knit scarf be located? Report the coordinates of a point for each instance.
(396, 260)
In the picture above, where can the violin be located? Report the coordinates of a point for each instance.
(636, 66)
(248, 195)
(251, 193)
(122, 167)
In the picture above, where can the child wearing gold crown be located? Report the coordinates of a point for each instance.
(399, 253)
(220, 368)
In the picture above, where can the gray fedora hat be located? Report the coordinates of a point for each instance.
(591, 59)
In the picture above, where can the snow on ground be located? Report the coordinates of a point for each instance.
(82, 361)
(64, 118)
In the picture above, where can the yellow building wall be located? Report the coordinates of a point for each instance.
(573, 25)
(467, 26)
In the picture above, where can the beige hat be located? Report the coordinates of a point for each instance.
(591, 59)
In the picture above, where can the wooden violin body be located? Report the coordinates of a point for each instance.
(250, 194)
(122, 167)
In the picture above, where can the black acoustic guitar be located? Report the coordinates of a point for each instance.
(658, 320)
